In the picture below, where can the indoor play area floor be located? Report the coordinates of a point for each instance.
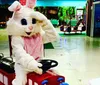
(78, 56)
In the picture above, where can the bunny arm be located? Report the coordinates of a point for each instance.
(21, 57)
(50, 34)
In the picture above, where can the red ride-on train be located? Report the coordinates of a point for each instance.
(47, 78)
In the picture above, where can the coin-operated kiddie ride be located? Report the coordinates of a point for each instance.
(48, 77)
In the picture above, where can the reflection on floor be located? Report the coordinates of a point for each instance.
(78, 57)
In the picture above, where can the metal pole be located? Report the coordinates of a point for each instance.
(10, 48)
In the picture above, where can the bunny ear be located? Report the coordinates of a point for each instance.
(16, 6)
(30, 3)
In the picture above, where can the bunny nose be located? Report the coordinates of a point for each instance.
(30, 27)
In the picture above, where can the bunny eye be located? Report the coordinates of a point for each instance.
(23, 21)
(33, 21)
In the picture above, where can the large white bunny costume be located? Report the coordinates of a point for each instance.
(29, 29)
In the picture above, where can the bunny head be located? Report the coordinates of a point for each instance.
(25, 21)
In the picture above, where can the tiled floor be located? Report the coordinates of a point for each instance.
(78, 57)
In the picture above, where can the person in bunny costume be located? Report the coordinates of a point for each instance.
(29, 30)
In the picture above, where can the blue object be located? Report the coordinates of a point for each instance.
(64, 83)
(44, 82)
(60, 79)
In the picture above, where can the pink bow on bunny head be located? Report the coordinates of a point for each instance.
(16, 6)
